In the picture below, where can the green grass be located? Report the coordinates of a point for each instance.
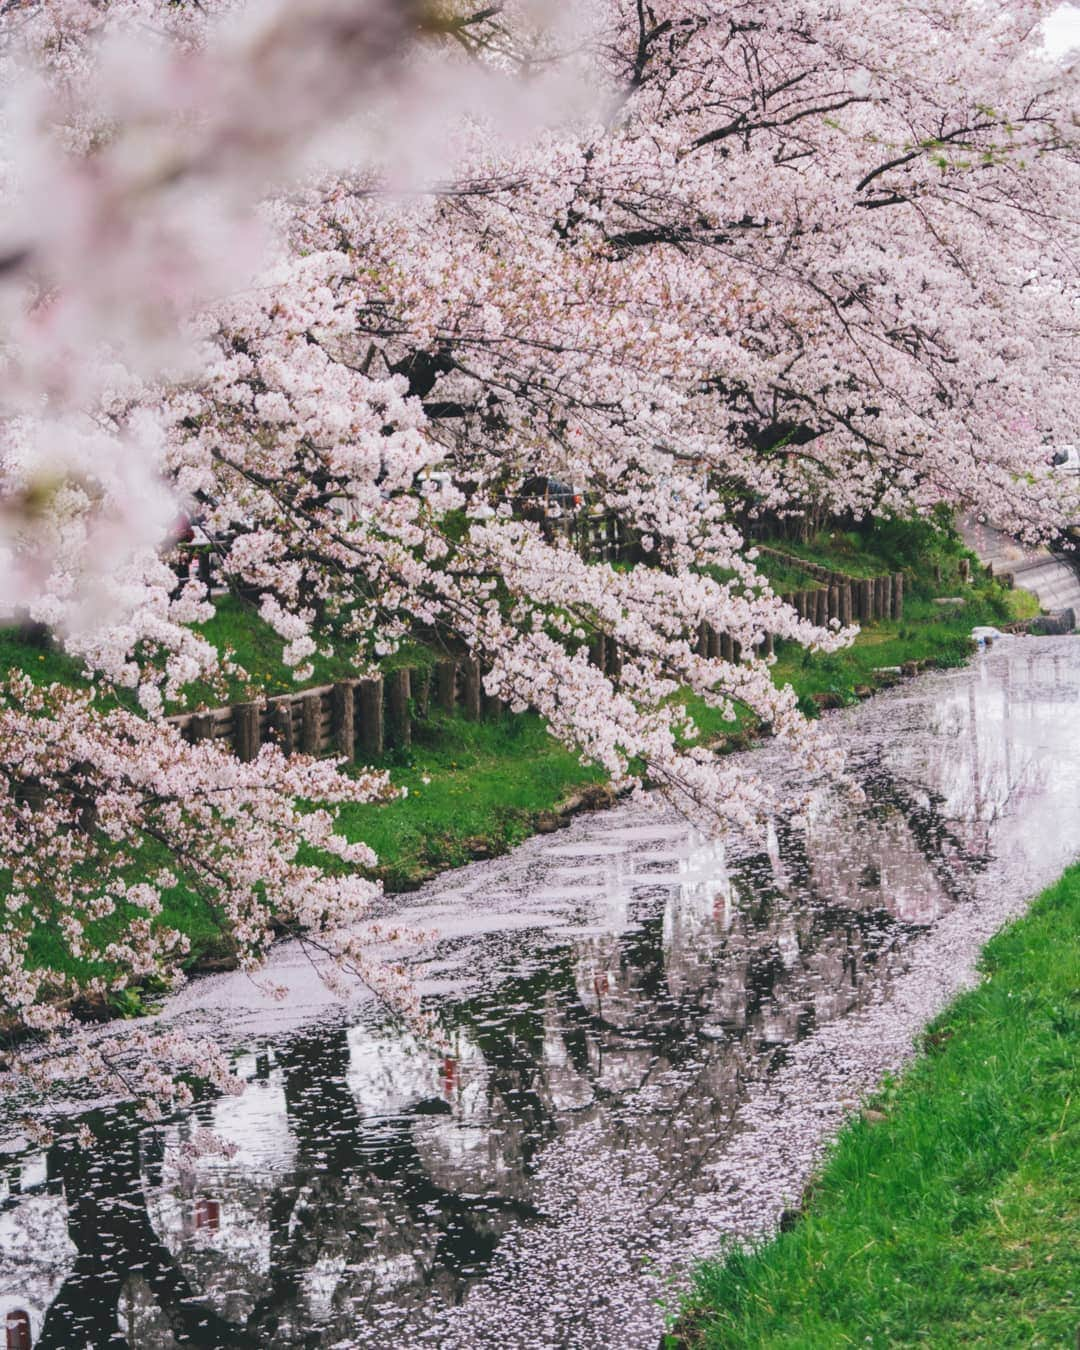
(782, 575)
(841, 551)
(237, 628)
(488, 782)
(955, 1220)
(882, 546)
(44, 663)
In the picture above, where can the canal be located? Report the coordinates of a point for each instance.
(648, 1036)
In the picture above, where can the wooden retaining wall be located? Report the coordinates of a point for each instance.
(361, 719)
(597, 538)
(852, 600)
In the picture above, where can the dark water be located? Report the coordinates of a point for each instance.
(625, 1003)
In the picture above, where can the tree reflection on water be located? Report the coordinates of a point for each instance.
(372, 1180)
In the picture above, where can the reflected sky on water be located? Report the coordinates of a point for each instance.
(614, 998)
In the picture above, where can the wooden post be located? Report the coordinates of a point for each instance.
(494, 707)
(716, 644)
(202, 728)
(246, 731)
(965, 569)
(371, 718)
(472, 688)
(598, 651)
(886, 597)
(446, 685)
(821, 611)
(866, 600)
(834, 602)
(736, 652)
(281, 723)
(727, 647)
(898, 596)
(398, 693)
(311, 724)
(770, 644)
(703, 639)
(420, 687)
(845, 603)
(343, 720)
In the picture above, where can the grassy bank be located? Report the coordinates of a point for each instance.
(949, 1213)
(474, 789)
(477, 789)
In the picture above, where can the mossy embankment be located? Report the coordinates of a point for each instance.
(475, 789)
(948, 1212)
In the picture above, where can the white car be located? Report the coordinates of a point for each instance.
(1065, 458)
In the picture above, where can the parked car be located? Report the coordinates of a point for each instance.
(1065, 458)
(550, 496)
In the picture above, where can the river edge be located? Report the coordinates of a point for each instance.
(782, 1133)
(924, 1184)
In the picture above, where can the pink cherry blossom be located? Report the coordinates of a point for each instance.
(341, 277)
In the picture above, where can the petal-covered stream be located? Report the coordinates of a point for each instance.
(650, 1035)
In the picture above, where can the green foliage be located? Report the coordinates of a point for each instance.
(487, 782)
(954, 1221)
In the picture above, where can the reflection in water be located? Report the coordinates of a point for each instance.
(379, 1192)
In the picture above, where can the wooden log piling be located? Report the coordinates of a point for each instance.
(420, 689)
(472, 688)
(446, 685)
(201, 727)
(281, 726)
(343, 719)
(246, 733)
(372, 736)
(398, 693)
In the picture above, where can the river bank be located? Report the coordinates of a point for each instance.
(946, 1212)
(478, 789)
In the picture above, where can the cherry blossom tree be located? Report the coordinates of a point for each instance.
(280, 263)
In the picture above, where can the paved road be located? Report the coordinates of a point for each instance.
(1037, 570)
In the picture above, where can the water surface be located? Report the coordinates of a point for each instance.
(648, 1034)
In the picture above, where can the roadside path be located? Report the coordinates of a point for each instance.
(1039, 571)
